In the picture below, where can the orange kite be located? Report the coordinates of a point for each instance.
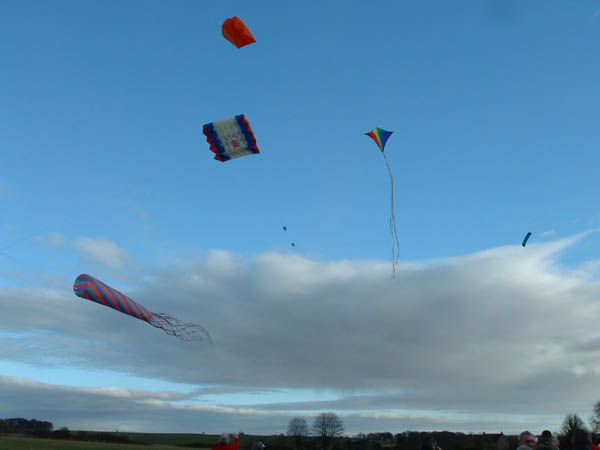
(235, 31)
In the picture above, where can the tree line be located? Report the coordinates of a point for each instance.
(327, 433)
(44, 429)
(24, 426)
(328, 428)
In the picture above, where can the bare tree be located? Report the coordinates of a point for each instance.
(328, 426)
(571, 423)
(297, 428)
(595, 419)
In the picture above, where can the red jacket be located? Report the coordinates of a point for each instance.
(224, 446)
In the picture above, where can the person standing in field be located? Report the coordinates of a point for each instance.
(557, 443)
(224, 442)
(527, 439)
(581, 440)
(429, 443)
(546, 441)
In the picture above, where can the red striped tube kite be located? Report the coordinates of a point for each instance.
(381, 136)
(90, 288)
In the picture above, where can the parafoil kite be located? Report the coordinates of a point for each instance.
(381, 136)
(525, 239)
(90, 288)
(235, 31)
(231, 138)
(293, 244)
(284, 228)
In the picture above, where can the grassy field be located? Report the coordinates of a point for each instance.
(154, 441)
(25, 443)
(206, 440)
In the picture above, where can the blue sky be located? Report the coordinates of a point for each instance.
(104, 170)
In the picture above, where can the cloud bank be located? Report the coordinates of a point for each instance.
(473, 342)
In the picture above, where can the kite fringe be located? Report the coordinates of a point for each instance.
(395, 242)
(181, 330)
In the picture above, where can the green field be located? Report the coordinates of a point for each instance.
(25, 443)
(154, 441)
(208, 440)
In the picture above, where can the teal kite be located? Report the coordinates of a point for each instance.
(381, 136)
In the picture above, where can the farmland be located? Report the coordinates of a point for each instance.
(29, 443)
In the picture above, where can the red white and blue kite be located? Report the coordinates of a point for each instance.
(381, 136)
(231, 138)
(90, 288)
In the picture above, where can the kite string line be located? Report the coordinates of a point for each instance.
(15, 242)
(395, 243)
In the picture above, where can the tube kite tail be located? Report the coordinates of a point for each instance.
(381, 136)
(90, 288)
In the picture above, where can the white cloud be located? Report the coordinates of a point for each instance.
(98, 250)
(126, 409)
(137, 410)
(501, 332)
(102, 251)
(53, 239)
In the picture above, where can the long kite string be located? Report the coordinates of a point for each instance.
(395, 243)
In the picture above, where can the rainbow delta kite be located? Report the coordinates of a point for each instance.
(381, 136)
